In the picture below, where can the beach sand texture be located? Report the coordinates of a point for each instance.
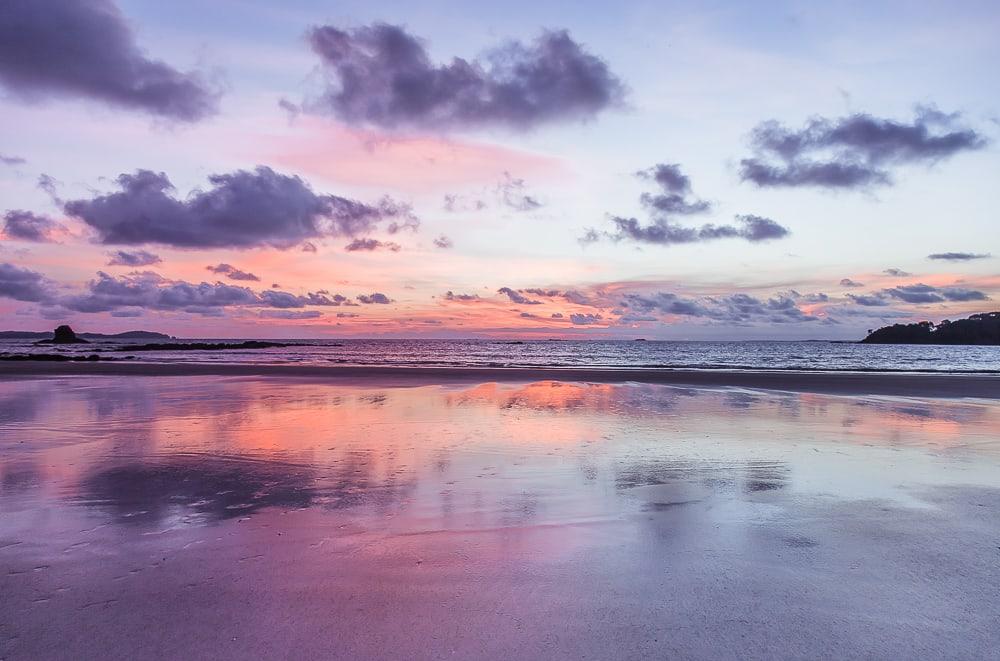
(251, 514)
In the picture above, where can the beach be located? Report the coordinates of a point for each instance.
(218, 511)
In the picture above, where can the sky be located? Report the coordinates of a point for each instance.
(664, 170)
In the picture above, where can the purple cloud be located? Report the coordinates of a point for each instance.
(232, 272)
(133, 258)
(857, 151)
(27, 226)
(383, 76)
(88, 50)
(243, 209)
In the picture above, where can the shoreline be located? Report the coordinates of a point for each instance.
(950, 385)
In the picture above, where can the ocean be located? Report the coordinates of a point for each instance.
(755, 355)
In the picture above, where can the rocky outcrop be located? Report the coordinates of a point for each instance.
(64, 335)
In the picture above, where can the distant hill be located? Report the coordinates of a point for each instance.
(127, 335)
(982, 329)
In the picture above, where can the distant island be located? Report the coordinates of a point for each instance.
(65, 335)
(981, 329)
(128, 335)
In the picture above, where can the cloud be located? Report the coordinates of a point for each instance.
(383, 76)
(921, 293)
(87, 49)
(869, 300)
(27, 226)
(443, 242)
(517, 297)
(736, 308)
(847, 282)
(290, 314)
(50, 185)
(857, 151)
(8, 159)
(243, 209)
(23, 284)
(375, 298)
(347, 315)
(368, 245)
(958, 256)
(232, 272)
(585, 319)
(897, 273)
(457, 203)
(663, 232)
(148, 290)
(675, 198)
(133, 258)
(452, 296)
(512, 193)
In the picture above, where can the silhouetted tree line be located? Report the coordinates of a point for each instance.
(977, 329)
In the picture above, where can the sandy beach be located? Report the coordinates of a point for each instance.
(917, 384)
(249, 514)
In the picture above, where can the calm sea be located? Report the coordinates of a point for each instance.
(828, 356)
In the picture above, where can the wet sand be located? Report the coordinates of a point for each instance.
(248, 515)
(926, 384)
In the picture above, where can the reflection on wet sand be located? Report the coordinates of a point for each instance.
(538, 519)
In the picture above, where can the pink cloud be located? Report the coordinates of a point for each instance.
(335, 154)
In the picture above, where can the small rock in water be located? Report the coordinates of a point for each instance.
(64, 335)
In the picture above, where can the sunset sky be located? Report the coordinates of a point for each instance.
(243, 168)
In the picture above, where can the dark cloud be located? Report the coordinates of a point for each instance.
(961, 294)
(897, 273)
(27, 226)
(869, 300)
(452, 296)
(663, 232)
(7, 159)
(737, 308)
(241, 210)
(375, 298)
(132, 258)
(443, 242)
(87, 49)
(369, 245)
(675, 198)
(151, 291)
(571, 295)
(383, 76)
(847, 282)
(958, 256)
(585, 319)
(517, 297)
(857, 151)
(232, 272)
(557, 315)
(921, 293)
(347, 315)
(23, 284)
(290, 314)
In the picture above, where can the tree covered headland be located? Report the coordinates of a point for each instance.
(981, 328)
